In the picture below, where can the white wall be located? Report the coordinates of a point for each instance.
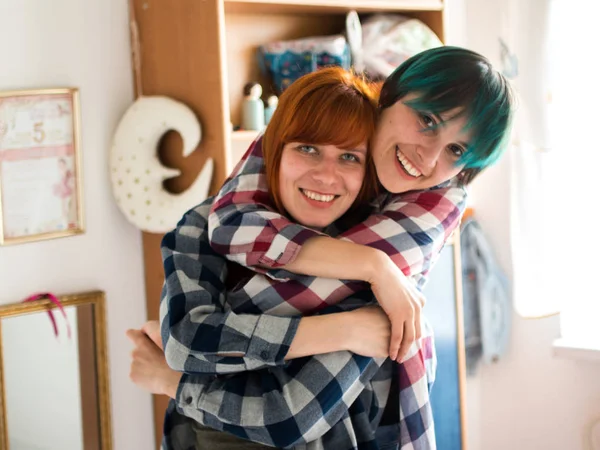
(530, 399)
(83, 44)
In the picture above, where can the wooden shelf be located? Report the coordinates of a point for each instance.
(245, 136)
(240, 141)
(333, 6)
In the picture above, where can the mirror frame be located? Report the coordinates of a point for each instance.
(97, 300)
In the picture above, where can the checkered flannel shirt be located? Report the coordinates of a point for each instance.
(290, 410)
(235, 378)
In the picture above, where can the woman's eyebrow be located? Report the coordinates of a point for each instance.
(441, 121)
(362, 151)
(448, 117)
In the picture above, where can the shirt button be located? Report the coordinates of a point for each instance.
(264, 354)
(189, 400)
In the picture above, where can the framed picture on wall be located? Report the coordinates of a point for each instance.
(40, 174)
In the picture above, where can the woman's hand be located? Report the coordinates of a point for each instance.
(368, 331)
(149, 369)
(402, 302)
(152, 330)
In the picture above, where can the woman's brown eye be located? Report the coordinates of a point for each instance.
(427, 120)
(456, 150)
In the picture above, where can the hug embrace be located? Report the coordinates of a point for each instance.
(291, 315)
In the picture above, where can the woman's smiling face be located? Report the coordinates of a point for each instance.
(319, 183)
(409, 157)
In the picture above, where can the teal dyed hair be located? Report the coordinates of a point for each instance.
(448, 78)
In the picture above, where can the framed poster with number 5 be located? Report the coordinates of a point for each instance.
(40, 176)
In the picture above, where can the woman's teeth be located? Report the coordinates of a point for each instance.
(318, 197)
(412, 170)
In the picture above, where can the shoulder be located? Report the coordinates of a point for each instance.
(447, 195)
(191, 231)
(197, 216)
(253, 160)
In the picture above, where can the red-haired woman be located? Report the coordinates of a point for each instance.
(218, 314)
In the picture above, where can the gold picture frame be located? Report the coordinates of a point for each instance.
(94, 384)
(40, 165)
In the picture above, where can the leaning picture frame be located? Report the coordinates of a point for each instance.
(75, 364)
(40, 165)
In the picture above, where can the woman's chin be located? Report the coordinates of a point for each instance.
(316, 224)
(393, 183)
(316, 221)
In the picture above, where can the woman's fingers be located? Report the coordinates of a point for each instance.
(134, 336)
(396, 338)
(409, 338)
(143, 345)
(152, 329)
(418, 331)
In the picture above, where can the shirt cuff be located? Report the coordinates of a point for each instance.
(189, 392)
(286, 245)
(271, 341)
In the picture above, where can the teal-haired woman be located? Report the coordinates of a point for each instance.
(445, 115)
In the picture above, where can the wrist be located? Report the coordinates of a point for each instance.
(171, 383)
(314, 336)
(346, 326)
(380, 267)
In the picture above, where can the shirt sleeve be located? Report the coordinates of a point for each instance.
(200, 332)
(412, 228)
(289, 406)
(283, 406)
(243, 224)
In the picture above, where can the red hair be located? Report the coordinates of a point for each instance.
(330, 106)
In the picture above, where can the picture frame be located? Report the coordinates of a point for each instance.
(40, 165)
(81, 369)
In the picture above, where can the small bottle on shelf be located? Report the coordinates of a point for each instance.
(272, 102)
(253, 108)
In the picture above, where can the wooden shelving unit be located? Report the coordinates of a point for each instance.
(243, 136)
(202, 52)
(340, 6)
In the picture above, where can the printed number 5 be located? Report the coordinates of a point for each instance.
(38, 132)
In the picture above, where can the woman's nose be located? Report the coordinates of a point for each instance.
(326, 172)
(429, 153)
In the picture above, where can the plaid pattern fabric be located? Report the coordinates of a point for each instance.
(327, 401)
(411, 228)
(331, 401)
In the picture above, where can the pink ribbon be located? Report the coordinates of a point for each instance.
(54, 299)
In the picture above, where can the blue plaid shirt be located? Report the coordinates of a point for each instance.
(331, 401)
